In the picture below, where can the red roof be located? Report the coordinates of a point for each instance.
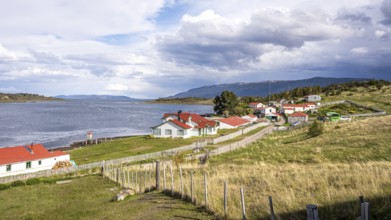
(180, 124)
(198, 119)
(298, 114)
(251, 116)
(234, 121)
(17, 154)
(295, 105)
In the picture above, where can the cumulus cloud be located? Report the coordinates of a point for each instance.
(214, 41)
(359, 50)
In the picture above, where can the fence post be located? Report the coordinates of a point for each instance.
(312, 212)
(157, 175)
(364, 211)
(191, 187)
(145, 179)
(172, 180)
(164, 177)
(180, 173)
(135, 183)
(243, 204)
(225, 200)
(271, 207)
(117, 175)
(206, 191)
(128, 175)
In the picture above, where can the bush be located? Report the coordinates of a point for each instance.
(4, 186)
(33, 181)
(316, 129)
(17, 183)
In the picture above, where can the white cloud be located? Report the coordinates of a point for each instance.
(116, 87)
(359, 50)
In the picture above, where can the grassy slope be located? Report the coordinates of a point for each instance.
(380, 99)
(89, 198)
(23, 97)
(125, 147)
(331, 170)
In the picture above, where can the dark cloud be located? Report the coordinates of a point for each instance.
(354, 16)
(386, 10)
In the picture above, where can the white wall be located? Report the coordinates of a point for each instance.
(20, 168)
(225, 126)
(174, 131)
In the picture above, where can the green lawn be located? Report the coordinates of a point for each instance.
(90, 198)
(125, 147)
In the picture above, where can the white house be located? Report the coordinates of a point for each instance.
(232, 122)
(256, 105)
(172, 129)
(28, 159)
(268, 109)
(290, 108)
(312, 98)
(184, 125)
(297, 117)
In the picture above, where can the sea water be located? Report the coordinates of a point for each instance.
(59, 123)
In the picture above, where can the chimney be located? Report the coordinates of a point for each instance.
(179, 115)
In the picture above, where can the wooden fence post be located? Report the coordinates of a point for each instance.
(206, 191)
(191, 187)
(145, 179)
(157, 175)
(180, 173)
(225, 200)
(128, 178)
(172, 180)
(164, 177)
(271, 207)
(312, 212)
(243, 204)
(135, 183)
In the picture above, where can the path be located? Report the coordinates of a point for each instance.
(156, 205)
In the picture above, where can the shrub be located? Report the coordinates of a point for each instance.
(17, 183)
(4, 186)
(33, 181)
(316, 129)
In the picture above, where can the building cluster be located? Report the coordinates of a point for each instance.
(295, 113)
(186, 125)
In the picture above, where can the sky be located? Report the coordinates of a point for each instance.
(157, 48)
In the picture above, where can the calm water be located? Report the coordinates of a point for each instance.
(56, 124)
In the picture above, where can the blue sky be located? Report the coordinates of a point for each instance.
(158, 48)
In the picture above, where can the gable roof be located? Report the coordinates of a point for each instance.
(196, 118)
(9, 155)
(298, 114)
(234, 121)
(180, 124)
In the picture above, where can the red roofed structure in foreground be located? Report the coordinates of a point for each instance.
(28, 159)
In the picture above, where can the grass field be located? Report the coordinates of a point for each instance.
(125, 147)
(89, 198)
(331, 170)
(380, 99)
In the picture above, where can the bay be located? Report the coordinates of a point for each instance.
(57, 124)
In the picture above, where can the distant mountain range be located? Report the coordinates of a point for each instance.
(97, 97)
(261, 88)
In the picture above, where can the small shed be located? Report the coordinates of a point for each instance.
(312, 98)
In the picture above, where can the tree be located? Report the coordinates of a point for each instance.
(316, 129)
(227, 101)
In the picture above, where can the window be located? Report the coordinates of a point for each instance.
(40, 162)
(180, 133)
(168, 132)
(28, 165)
(8, 167)
(157, 131)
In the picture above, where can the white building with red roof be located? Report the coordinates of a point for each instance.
(232, 122)
(28, 159)
(297, 117)
(290, 108)
(184, 125)
(250, 118)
